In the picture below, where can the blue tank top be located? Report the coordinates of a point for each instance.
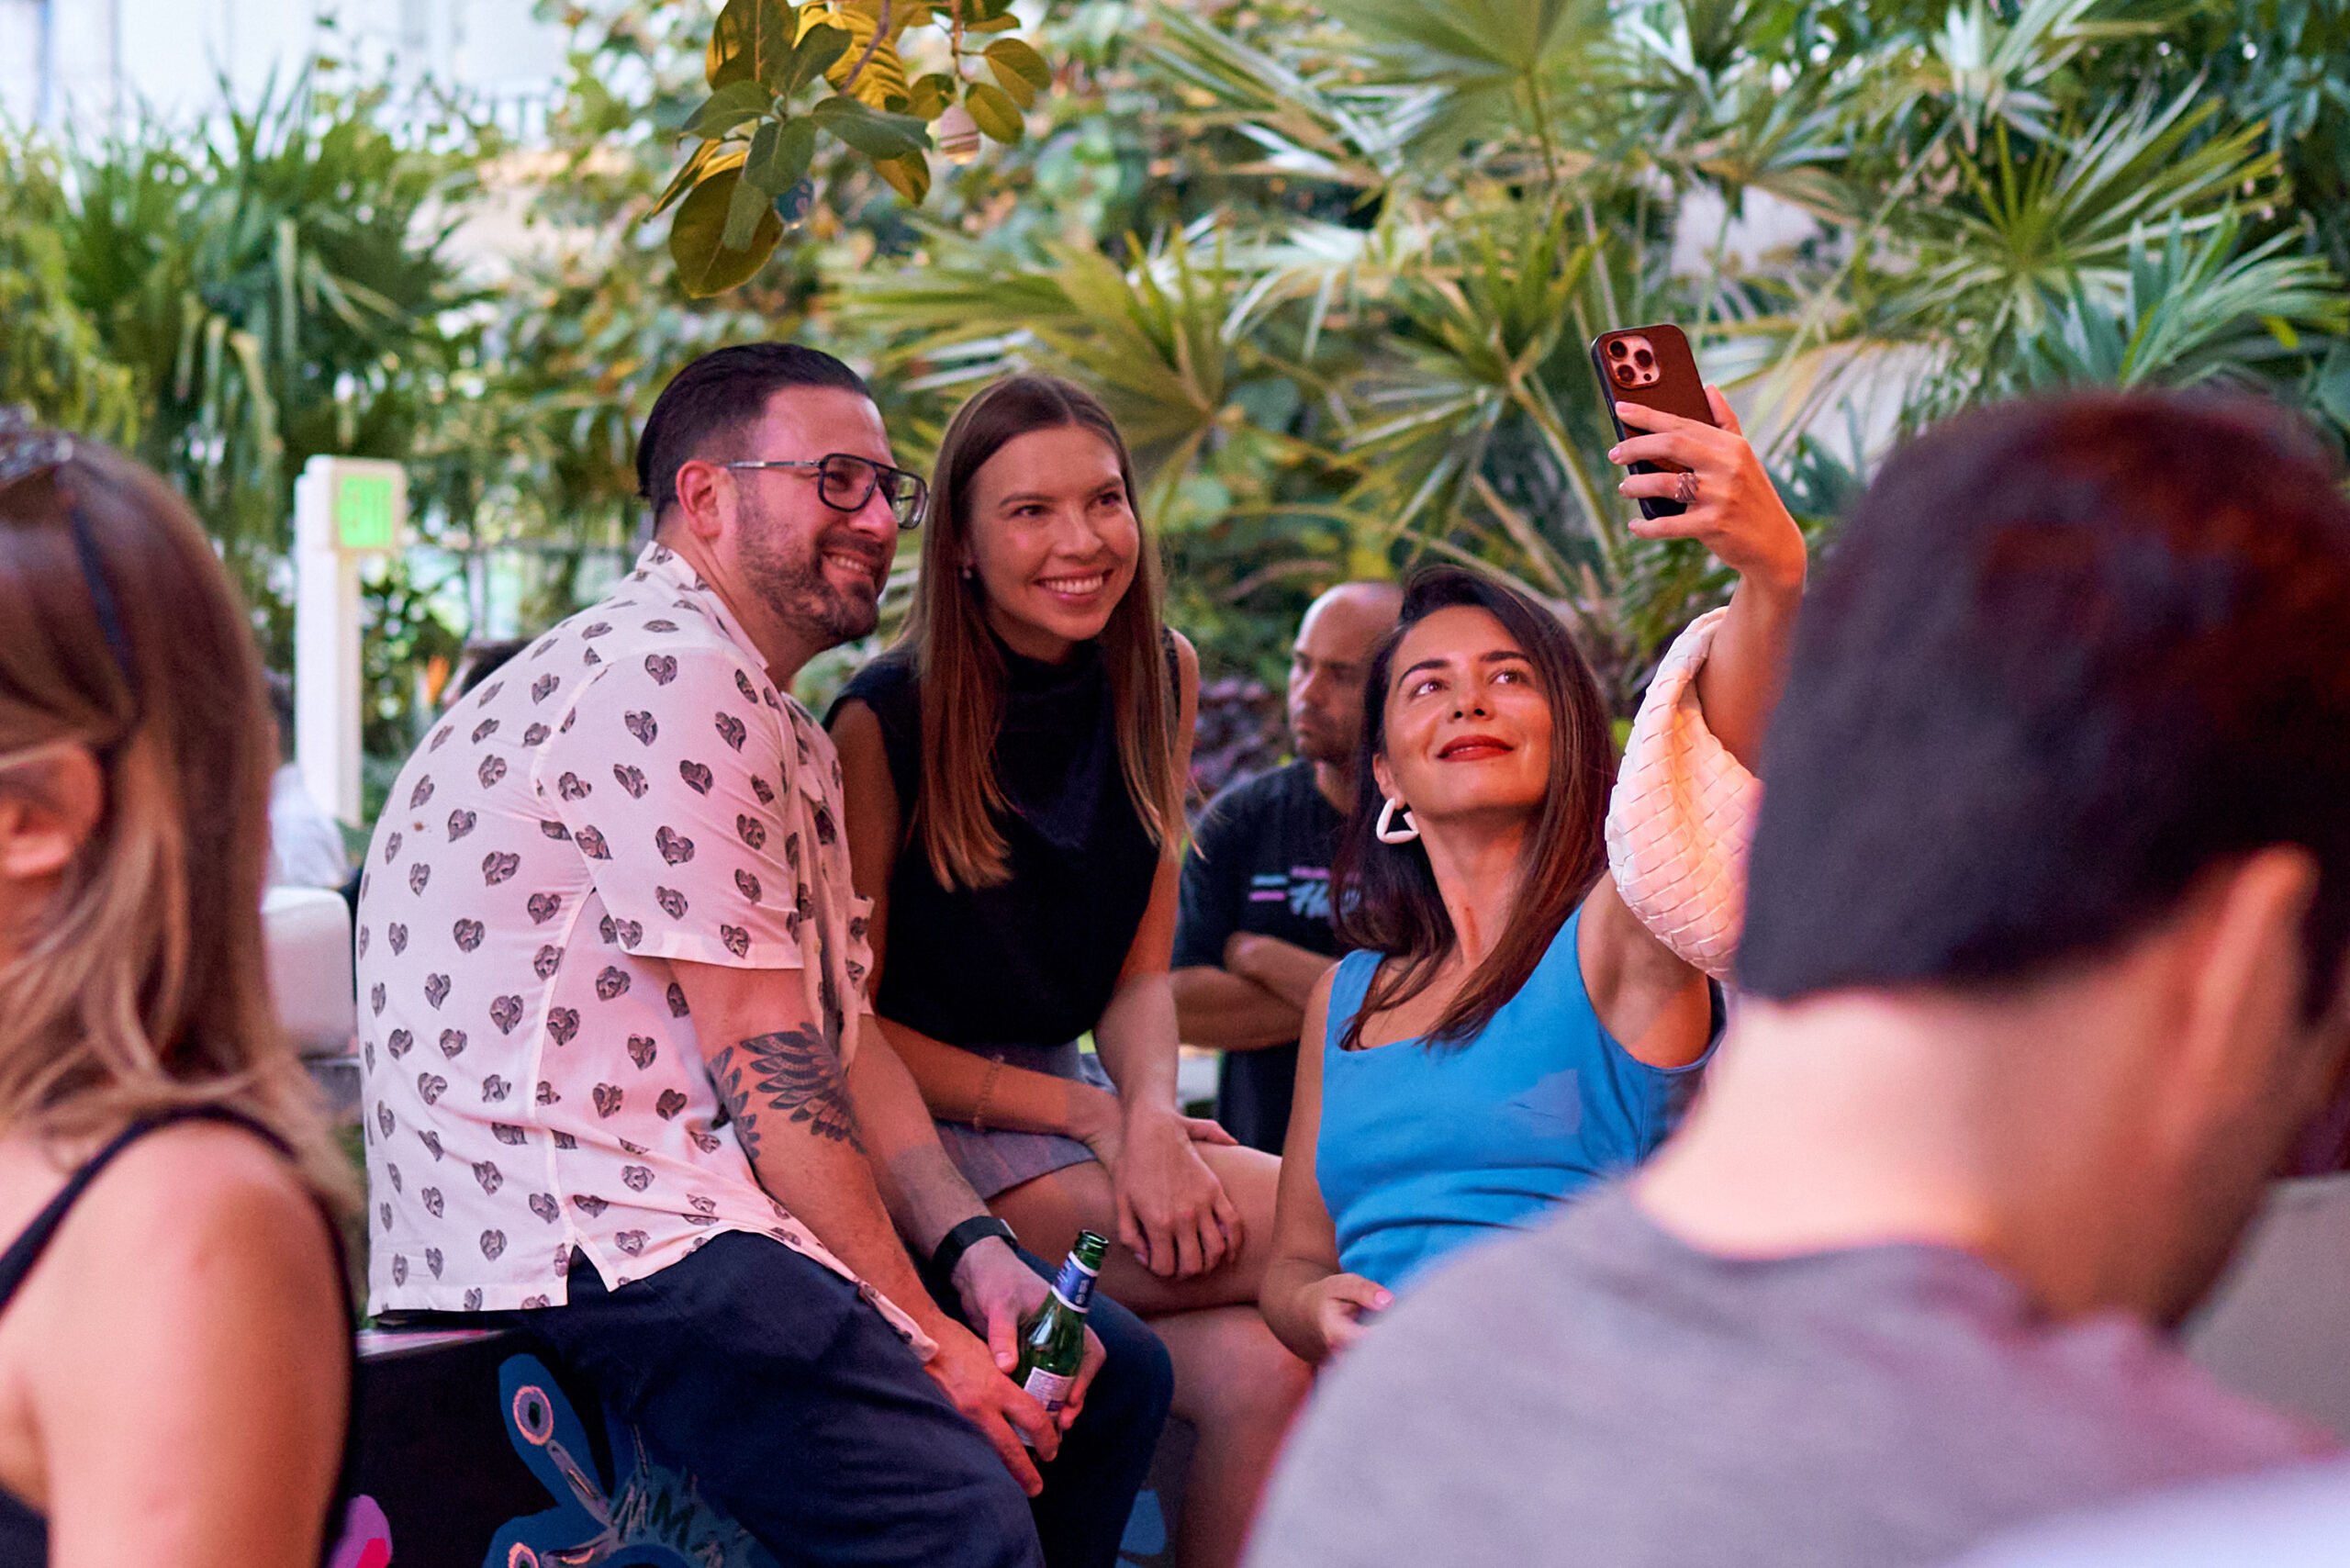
(1424, 1149)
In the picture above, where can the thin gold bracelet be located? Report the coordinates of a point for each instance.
(987, 1087)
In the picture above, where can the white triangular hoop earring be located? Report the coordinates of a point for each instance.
(1387, 832)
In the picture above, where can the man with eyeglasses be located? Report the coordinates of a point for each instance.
(611, 969)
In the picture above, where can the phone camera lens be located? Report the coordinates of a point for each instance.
(1626, 376)
(1615, 349)
(1644, 359)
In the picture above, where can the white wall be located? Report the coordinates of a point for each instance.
(107, 57)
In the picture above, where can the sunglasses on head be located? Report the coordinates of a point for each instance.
(28, 452)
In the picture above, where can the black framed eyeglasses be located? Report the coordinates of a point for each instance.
(27, 450)
(846, 482)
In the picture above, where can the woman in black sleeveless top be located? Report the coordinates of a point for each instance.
(1013, 783)
(174, 1353)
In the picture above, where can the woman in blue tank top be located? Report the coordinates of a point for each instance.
(1507, 1032)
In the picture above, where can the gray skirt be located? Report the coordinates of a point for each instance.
(994, 1160)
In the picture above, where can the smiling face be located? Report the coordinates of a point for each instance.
(1468, 729)
(819, 570)
(1052, 538)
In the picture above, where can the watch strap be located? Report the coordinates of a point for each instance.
(961, 1239)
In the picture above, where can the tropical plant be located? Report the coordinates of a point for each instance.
(1418, 214)
(740, 190)
(51, 359)
(243, 297)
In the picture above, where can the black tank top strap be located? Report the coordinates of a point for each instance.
(34, 1239)
(24, 1534)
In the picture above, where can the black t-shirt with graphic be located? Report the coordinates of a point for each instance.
(1260, 862)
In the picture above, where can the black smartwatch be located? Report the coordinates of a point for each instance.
(961, 1239)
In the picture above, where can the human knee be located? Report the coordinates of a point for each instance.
(1252, 1376)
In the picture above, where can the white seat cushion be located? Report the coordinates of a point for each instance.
(308, 933)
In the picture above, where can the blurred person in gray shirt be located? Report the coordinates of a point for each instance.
(2290, 1518)
(2043, 970)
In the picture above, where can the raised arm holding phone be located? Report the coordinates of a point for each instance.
(1511, 1032)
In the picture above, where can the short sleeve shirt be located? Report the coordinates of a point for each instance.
(1600, 1390)
(629, 791)
(1260, 863)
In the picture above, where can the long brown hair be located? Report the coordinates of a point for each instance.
(961, 668)
(128, 998)
(1385, 895)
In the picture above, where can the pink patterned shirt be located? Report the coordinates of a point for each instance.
(629, 790)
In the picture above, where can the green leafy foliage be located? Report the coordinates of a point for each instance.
(235, 305)
(1380, 234)
(761, 54)
(52, 358)
(1334, 268)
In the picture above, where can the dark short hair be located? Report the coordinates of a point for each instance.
(1386, 896)
(715, 398)
(2065, 656)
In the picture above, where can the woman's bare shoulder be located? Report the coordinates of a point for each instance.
(186, 1199)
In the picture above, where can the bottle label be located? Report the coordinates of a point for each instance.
(1075, 1286)
(1051, 1391)
(1049, 1388)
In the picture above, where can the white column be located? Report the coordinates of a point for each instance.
(326, 648)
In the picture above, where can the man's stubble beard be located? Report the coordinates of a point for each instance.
(1331, 753)
(795, 587)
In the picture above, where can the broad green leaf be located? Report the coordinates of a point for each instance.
(706, 265)
(1018, 88)
(997, 115)
(1468, 37)
(909, 175)
(874, 132)
(795, 148)
(870, 71)
(993, 25)
(750, 41)
(744, 206)
(1017, 57)
(2331, 388)
(780, 155)
(931, 95)
(696, 166)
(733, 105)
(818, 50)
(727, 58)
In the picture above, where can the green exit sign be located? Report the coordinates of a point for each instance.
(365, 511)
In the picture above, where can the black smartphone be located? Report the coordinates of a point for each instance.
(1652, 366)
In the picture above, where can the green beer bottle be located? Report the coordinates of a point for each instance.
(1052, 1344)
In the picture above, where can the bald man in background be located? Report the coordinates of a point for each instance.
(1255, 932)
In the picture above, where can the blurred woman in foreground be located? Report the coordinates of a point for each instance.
(174, 1353)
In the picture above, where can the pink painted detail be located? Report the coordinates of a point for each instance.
(366, 1537)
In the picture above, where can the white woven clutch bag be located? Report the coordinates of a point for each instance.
(1682, 814)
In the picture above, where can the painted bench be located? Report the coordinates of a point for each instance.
(476, 1450)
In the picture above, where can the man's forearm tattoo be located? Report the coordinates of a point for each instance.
(792, 1075)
